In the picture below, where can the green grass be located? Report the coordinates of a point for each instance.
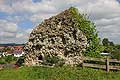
(57, 73)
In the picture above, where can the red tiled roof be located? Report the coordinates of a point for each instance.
(18, 47)
(9, 52)
(2, 47)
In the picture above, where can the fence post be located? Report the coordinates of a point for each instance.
(82, 62)
(107, 64)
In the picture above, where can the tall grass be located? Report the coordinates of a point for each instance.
(57, 73)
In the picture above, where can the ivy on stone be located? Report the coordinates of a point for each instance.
(89, 30)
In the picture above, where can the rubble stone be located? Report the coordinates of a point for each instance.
(56, 36)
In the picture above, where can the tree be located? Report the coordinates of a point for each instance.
(20, 61)
(9, 58)
(6, 49)
(105, 42)
(111, 43)
(89, 29)
(116, 54)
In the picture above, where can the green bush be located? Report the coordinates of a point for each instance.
(20, 61)
(7, 59)
(116, 54)
(50, 60)
(2, 61)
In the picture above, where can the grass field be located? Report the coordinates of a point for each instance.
(57, 73)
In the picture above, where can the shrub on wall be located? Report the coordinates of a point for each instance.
(89, 29)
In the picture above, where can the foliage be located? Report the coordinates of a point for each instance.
(6, 49)
(7, 59)
(110, 47)
(2, 61)
(106, 42)
(116, 52)
(53, 60)
(20, 61)
(57, 73)
(88, 28)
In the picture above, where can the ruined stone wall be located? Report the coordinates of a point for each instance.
(56, 36)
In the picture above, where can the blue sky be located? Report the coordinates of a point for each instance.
(118, 1)
(19, 17)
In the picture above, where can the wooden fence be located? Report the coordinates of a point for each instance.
(107, 66)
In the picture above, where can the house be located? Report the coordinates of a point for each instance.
(1, 54)
(18, 53)
(2, 47)
(9, 52)
(18, 48)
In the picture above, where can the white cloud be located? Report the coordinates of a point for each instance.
(28, 31)
(104, 9)
(7, 35)
(8, 26)
(19, 35)
(23, 35)
(10, 33)
(30, 6)
(7, 30)
(37, 18)
(15, 19)
(4, 7)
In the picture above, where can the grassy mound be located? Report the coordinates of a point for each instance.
(57, 73)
